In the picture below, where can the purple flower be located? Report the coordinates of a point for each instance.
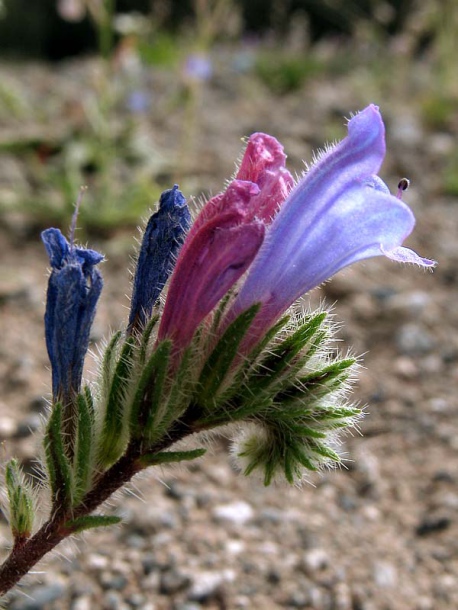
(209, 264)
(162, 240)
(339, 213)
(198, 67)
(225, 238)
(74, 288)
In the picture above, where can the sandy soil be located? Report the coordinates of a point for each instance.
(380, 534)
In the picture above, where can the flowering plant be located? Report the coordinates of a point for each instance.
(224, 348)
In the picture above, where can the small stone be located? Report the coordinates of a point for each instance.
(385, 574)
(207, 584)
(414, 340)
(237, 512)
(82, 603)
(173, 581)
(113, 582)
(39, 597)
(8, 427)
(432, 525)
(97, 562)
(314, 560)
(113, 601)
(28, 426)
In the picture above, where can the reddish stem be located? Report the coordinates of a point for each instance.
(25, 555)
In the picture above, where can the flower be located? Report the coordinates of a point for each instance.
(162, 240)
(74, 288)
(225, 238)
(339, 213)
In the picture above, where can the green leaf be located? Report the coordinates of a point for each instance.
(249, 363)
(182, 389)
(88, 522)
(58, 465)
(168, 457)
(294, 350)
(149, 393)
(20, 497)
(215, 371)
(145, 339)
(115, 428)
(109, 360)
(84, 449)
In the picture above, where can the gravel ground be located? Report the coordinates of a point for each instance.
(379, 534)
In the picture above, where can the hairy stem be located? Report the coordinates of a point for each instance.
(25, 555)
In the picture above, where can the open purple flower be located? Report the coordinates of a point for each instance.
(338, 214)
(74, 288)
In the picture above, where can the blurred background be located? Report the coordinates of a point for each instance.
(129, 97)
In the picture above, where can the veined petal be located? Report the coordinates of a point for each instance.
(339, 213)
(209, 264)
(263, 164)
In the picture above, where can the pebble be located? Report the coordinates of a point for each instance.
(315, 560)
(385, 574)
(412, 303)
(432, 525)
(238, 513)
(28, 426)
(113, 601)
(39, 597)
(412, 339)
(172, 581)
(82, 603)
(8, 427)
(206, 584)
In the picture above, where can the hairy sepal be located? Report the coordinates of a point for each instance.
(90, 522)
(217, 368)
(59, 467)
(84, 447)
(20, 496)
(119, 382)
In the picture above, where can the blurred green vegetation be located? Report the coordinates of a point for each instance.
(386, 48)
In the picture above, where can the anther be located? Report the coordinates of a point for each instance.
(403, 185)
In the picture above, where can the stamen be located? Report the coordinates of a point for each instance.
(403, 185)
(71, 237)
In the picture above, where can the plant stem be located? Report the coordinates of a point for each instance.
(25, 555)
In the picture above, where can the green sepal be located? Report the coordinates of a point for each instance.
(115, 425)
(216, 368)
(58, 465)
(289, 356)
(249, 363)
(22, 511)
(316, 384)
(80, 524)
(146, 336)
(149, 395)
(84, 448)
(182, 387)
(169, 457)
(108, 361)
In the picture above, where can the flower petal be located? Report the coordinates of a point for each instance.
(339, 213)
(209, 264)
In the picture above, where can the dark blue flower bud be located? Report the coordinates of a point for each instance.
(74, 288)
(162, 240)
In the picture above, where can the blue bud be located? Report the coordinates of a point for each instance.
(74, 288)
(162, 240)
